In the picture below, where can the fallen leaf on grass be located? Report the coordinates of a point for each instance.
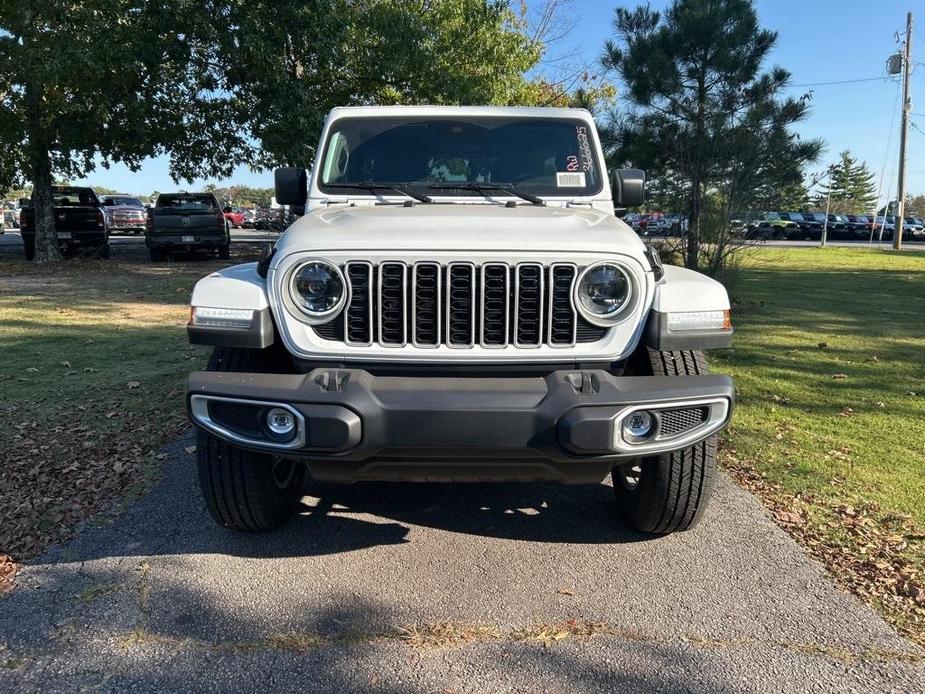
(66, 364)
(789, 517)
(847, 412)
(839, 375)
(132, 384)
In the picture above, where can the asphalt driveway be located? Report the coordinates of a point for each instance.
(439, 588)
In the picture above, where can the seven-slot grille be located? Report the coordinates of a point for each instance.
(460, 305)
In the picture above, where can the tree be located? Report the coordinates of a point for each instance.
(97, 81)
(915, 205)
(290, 63)
(702, 111)
(849, 188)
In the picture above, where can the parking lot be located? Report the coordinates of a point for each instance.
(441, 588)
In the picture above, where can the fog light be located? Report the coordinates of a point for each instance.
(638, 425)
(281, 422)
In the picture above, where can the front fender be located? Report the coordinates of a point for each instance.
(238, 288)
(683, 293)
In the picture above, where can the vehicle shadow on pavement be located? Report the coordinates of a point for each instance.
(172, 520)
(537, 512)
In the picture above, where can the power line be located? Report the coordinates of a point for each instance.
(825, 84)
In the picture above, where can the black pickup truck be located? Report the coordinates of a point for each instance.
(185, 221)
(79, 222)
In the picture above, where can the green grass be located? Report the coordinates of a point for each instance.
(94, 355)
(829, 364)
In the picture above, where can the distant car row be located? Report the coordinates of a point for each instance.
(174, 222)
(791, 226)
(810, 225)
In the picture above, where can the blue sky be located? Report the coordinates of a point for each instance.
(819, 41)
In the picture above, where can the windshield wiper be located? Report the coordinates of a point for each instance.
(373, 186)
(482, 187)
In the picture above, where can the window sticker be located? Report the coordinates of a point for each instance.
(569, 179)
(584, 148)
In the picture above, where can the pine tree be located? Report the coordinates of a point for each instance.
(851, 187)
(702, 107)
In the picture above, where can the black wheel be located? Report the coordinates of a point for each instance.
(668, 492)
(157, 255)
(29, 246)
(245, 490)
(104, 252)
(224, 252)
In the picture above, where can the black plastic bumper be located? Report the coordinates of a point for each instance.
(354, 425)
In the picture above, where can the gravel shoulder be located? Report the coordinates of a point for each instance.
(422, 588)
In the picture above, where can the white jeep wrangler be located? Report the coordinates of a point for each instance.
(459, 302)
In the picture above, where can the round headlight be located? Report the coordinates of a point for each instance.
(603, 292)
(318, 289)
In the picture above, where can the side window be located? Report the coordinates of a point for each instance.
(335, 164)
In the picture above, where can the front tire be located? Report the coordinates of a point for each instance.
(668, 492)
(244, 490)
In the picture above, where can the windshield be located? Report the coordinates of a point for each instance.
(554, 157)
(188, 201)
(64, 197)
(127, 202)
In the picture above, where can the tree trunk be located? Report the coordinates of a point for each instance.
(692, 255)
(46, 238)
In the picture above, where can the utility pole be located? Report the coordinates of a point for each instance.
(903, 129)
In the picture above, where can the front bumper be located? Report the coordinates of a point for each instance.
(353, 425)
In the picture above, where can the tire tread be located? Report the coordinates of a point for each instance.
(674, 487)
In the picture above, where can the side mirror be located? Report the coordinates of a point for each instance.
(629, 187)
(291, 184)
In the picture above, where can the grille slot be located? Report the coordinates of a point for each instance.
(673, 422)
(563, 323)
(460, 305)
(393, 323)
(358, 318)
(425, 304)
(496, 294)
(528, 305)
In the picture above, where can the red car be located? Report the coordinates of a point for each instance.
(235, 219)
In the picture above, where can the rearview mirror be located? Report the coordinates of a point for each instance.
(629, 187)
(291, 184)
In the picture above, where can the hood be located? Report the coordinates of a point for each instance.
(460, 227)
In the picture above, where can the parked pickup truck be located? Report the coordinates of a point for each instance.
(125, 213)
(186, 221)
(235, 217)
(79, 222)
(460, 302)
